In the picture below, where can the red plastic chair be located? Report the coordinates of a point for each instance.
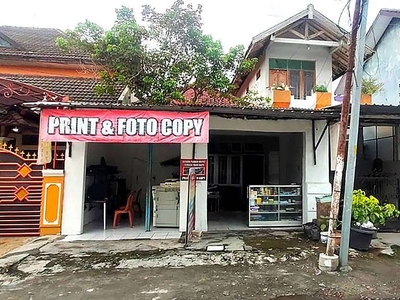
(127, 209)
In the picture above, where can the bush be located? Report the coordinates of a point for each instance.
(368, 209)
(371, 86)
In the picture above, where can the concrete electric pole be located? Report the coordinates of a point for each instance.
(353, 139)
(329, 261)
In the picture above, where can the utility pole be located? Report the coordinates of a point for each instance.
(353, 140)
(344, 120)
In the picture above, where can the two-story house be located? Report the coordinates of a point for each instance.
(298, 59)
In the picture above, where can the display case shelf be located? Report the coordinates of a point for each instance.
(285, 210)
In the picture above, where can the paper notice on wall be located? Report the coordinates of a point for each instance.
(334, 141)
(44, 153)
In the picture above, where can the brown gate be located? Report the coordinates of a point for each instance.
(20, 193)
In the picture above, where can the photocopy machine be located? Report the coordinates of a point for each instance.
(166, 204)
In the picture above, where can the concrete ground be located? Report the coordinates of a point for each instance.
(10, 243)
(254, 265)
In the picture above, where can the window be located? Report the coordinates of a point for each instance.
(298, 74)
(378, 142)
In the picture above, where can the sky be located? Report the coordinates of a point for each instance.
(233, 22)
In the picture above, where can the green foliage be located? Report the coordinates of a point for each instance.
(254, 99)
(371, 86)
(368, 209)
(320, 88)
(162, 59)
(324, 222)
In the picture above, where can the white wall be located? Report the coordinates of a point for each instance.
(74, 189)
(323, 68)
(131, 160)
(201, 152)
(252, 83)
(315, 177)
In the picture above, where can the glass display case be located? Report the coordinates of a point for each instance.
(275, 205)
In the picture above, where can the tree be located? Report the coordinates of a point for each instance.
(160, 59)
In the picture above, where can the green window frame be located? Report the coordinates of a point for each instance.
(289, 64)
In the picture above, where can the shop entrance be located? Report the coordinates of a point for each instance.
(253, 169)
(238, 160)
(115, 171)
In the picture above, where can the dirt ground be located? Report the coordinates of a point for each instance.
(271, 268)
(10, 243)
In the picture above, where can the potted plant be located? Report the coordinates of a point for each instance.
(324, 225)
(322, 96)
(281, 95)
(367, 213)
(369, 87)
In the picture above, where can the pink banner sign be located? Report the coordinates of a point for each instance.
(124, 126)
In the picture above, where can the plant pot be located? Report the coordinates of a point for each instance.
(323, 99)
(281, 98)
(360, 239)
(315, 233)
(366, 99)
(375, 234)
(336, 238)
(307, 227)
(324, 237)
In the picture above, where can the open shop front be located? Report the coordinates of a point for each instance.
(122, 170)
(265, 173)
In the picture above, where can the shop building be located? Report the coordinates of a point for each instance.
(245, 147)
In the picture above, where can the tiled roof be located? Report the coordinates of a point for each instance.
(34, 44)
(78, 89)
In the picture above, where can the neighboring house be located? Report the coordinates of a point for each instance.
(30, 56)
(33, 69)
(384, 65)
(303, 52)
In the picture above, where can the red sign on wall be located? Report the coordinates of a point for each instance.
(124, 126)
(199, 167)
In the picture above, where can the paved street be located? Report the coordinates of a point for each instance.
(265, 267)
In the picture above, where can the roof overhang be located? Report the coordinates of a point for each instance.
(380, 25)
(375, 114)
(13, 94)
(323, 32)
(228, 112)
